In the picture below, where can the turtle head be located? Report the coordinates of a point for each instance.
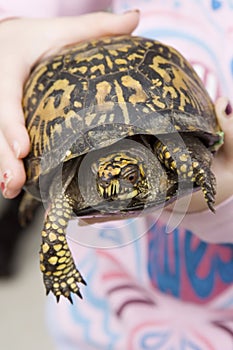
(120, 176)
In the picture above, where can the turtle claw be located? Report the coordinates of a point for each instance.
(65, 285)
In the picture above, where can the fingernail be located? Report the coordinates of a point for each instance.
(7, 176)
(130, 11)
(228, 109)
(5, 179)
(16, 149)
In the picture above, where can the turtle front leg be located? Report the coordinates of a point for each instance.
(191, 160)
(56, 262)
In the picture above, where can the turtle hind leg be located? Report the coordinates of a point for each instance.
(56, 262)
(191, 161)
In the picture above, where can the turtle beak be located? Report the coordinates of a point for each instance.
(109, 189)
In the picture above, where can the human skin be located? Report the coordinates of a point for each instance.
(37, 38)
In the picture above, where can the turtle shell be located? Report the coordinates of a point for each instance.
(92, 94)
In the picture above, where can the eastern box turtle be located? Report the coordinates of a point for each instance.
(116, 125)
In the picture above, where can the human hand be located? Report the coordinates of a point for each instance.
(37, 38)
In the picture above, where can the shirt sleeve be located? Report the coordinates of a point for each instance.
(210, 227)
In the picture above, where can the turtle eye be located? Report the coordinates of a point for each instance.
(131, 175)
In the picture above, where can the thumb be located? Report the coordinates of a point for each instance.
(67, 30)
(225, 119)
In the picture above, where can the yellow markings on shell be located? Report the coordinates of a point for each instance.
(52, 237)
(120, 61)
(158, 103)
(100, 67)
(78, 104)
(82, 69)
(169, 90)
(109, 62)
(121, 101)
(55, 65)
(103, 89)
(53, 260)
(131, 83)
(195, 164)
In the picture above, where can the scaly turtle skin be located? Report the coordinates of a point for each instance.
(116, 125)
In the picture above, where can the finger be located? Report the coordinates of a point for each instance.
(69, 30)
(225, 119)
(12, 175)
(12, 121)
(14, 140)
